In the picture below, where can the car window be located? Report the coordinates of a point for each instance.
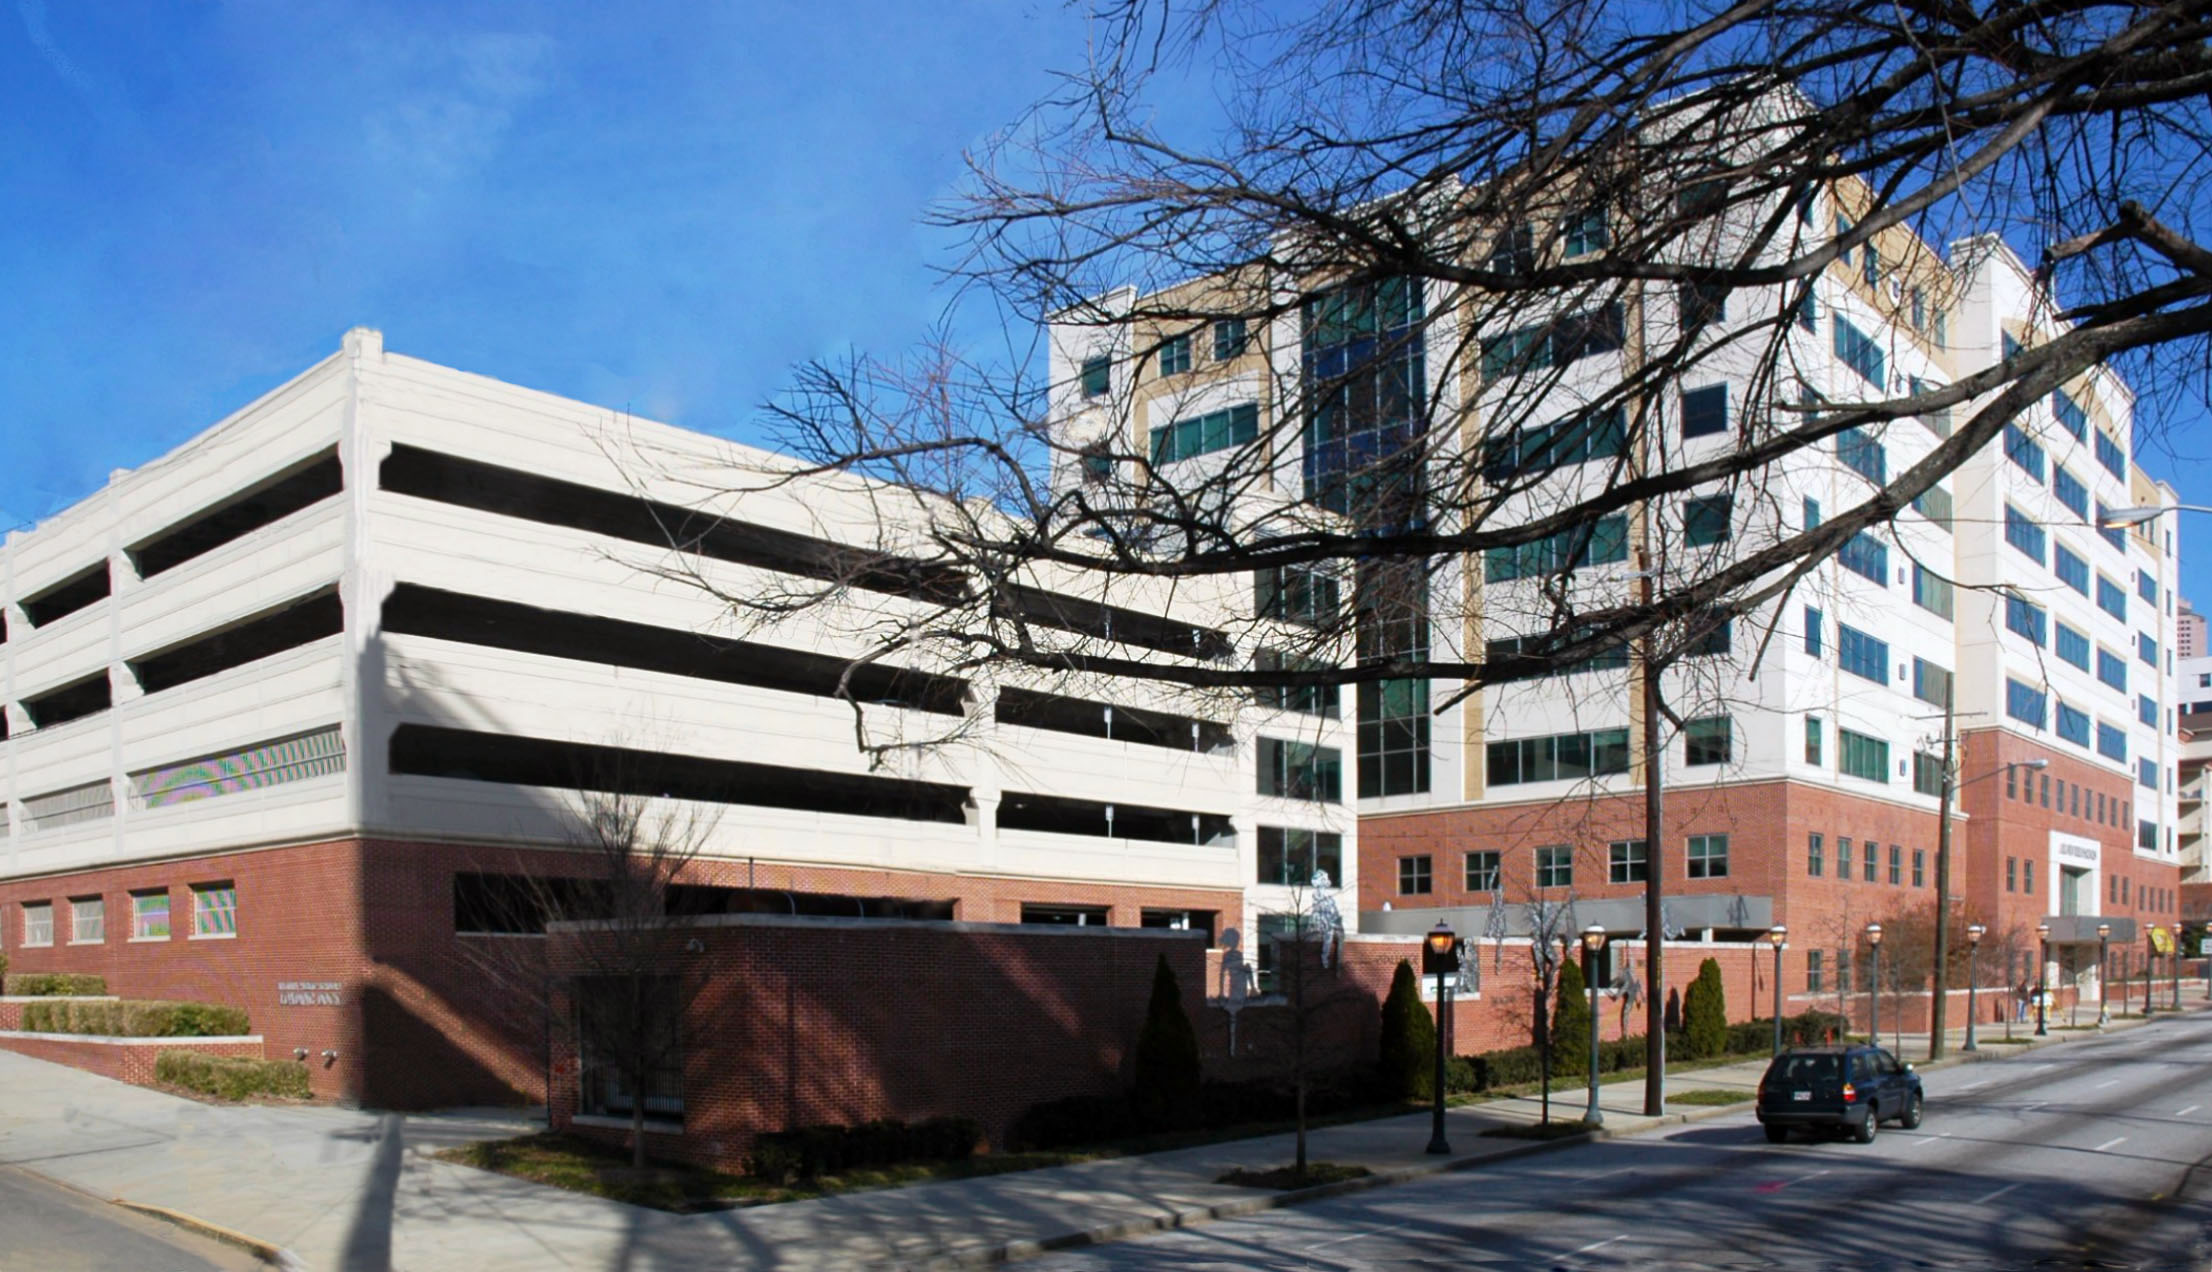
(1804, 1070)
(1889, 1063)
(1862, 1067)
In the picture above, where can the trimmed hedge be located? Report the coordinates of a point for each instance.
(1515, 1066)
(1705, 1012)
(1165, 1075)
(231, 1077)
(136, 1019)
(812, 1151)
(1408, 1039)
(51, 984)
(1081, 1120)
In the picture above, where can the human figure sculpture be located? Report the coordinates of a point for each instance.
(1328, 920)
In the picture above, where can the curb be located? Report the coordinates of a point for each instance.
(1014, 1251)
(274, 1255)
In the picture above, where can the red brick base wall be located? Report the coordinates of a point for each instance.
(125, 1062)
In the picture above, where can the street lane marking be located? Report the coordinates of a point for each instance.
(2108, 1082)
(2109, 1143)
(1995, 1195)
(1357, 1236)
(1975, 1086)
(1926, 1140)
(1599, 1245)
(1606, 1174)
(2187, 1111)
(1777, 1185)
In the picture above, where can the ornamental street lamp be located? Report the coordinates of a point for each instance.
(1593, 940)
(1440, 954)
(1974, 933)
(1874, 986)
(2150, 978)
(2116, 518)
(2104, 948)
(1939, 1004)
(2042, 970)
(1778, 936)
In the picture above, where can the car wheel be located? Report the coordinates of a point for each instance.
(1865, 1131)
(1775, 1134)
(1911, 1118)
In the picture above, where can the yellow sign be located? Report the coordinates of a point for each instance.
(2162, 941)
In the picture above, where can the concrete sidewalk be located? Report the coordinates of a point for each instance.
(344, 1189)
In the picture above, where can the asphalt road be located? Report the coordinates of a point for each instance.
(45, 1227)
(2087, 1155)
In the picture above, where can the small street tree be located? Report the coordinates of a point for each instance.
(1570, 1021)
(1408, 1043)
(1165, 1071)
(1705, 1012)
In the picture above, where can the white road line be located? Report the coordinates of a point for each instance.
(1607, 1174)
(1995, 1195)
(2108, 1082)
(1599, 1245)
(1357, 1236)
(1926, 1140)
(1975, 1086)
(2187, 1111)
(2108, 1144)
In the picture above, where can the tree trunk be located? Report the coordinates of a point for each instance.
(637, 1124)
(1298, 1055)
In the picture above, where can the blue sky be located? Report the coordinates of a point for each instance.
(639, 205)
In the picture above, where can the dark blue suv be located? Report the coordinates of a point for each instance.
(1850, 1088)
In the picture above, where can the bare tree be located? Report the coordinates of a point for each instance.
(1307, 973)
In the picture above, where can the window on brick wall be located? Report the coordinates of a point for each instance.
(1813, 861)
(1920, 867)
(1627, 861)
(38, 923)
(1843, 857)
(1708, 856)
(150, 916)
(1815, 978)
(1415, 877)
(1483, 871)
(88, 920)
(1555, 866)
(214, 909)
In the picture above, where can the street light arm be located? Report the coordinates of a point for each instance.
(2120, 518)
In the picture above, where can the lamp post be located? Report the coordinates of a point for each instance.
(1593, 940)
(1939, 1005)
(1874, 984)
(2115, 518)
(2173, 969)
(1974, 933)
(1778, 936)
(2104, 947)
(2042, 970)
(1440, 952)
(2150, 963)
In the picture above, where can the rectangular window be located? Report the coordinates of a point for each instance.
(88, 920)
(2146, 709)
(1856, 350)
(1934, 503)
(1175, 355)
(1097, 376)
(1858, 755)
(1705, 411)
(38, 923)
(1812, 631)
(2027, 874)
(1541, 448)
(1920, 867)
(1706, 741)
(1205, 434)
(2023, 618)
(2112, 598)
(1393, 737)
(1627, 861)
(1930, 683)
(215, 909)
(2073, 725)
(2024, 452)
(1870, 265)
(1708, 856)
(1896, 865)
(2109, 454)
(2146, 587)
(1873, 852)
(1815, 979)
(2025, 703)
(1413, 876)
(1229, 338)
(1705, 521)
(1700, 303)
(2071, 416)
(2012, 874)
(1863, 455)
(1813, 862)
(1843, 857)
(1555, 866)
(2070, 491)
(1862, 655)
(1300, 770)
(2071, 569)
(1300, 594)
(1812, 740)
(1931, 592)
(2146, 650)
(150, 916)
(1865, 556)
(2146, 773)
(2072, 646)
(1603, 542)
(2112, 669)
(1313, 700)
(1483, 874)
(1586, 232)
(1560, 757)
(1812, 513)
(2113, 535)
(1927, 773)
(2022, 533)
(1553, 344)
(1291, 857)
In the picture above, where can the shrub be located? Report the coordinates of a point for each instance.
(813, 1151)
(50, 984)
(1408, 1044)
(1570, 1023)
(135, 1019)
(1705, 1013)
(1165, 1074)
(231, 1077)
(1077, 1119)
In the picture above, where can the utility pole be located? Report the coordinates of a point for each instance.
(1655, 937)
(1937, 1014)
